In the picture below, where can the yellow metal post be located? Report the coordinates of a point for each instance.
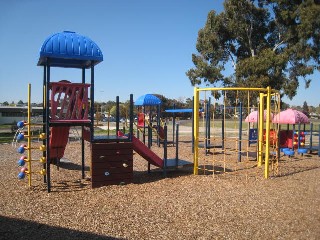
(267, 152)
(260, 128)
(196, 131)
(29, 135)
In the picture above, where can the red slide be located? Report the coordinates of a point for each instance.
(58, 141)
(146, 153)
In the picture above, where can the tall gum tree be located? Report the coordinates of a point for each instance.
(268, 43)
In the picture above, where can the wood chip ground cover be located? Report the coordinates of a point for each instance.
(181, 206)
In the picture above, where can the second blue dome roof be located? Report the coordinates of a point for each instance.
(147, 100)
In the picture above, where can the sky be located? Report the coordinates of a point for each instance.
(146, 44)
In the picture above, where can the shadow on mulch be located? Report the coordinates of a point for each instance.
(295, 164)
(64, 186)
(141, 177)
(71, 166)
(185, 141)
(12, 228)
(295, 171)
(70, 186)
(208, 170)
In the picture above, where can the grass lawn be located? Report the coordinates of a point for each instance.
(234, 123)
(6, 134)
(6, 137)
(5, 126)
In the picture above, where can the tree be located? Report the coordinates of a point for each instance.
(109, 105)
(305, 108)
(312, 109)
(299, 108)
(189, 103)
(123, 110)
(268, 42)
(284, 105)
(20, 102)
(5, 103)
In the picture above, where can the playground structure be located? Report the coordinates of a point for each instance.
(233, 146)
(149, 106)
(67, 104)
(146, 104)
(295, 140)
(300, 140)
(290, 138)
(253, 118)
(173, 111)
(27, 160)
(314, 139)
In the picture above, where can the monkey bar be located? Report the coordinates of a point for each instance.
(264, 95)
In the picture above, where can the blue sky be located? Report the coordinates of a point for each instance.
(147, 46)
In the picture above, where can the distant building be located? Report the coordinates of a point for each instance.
(9, 115)
(314, 115)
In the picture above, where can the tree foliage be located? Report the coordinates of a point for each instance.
(305, 108)
(268, 42)
(123, 110)
(167, 103)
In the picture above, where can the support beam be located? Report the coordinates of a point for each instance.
(196, 131)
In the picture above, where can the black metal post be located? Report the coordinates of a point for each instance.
(311, 130)
(293, 130)
(48, 128)
(117, 114)
(150, 128)
(131, 117)
(149, 136)
(144, 125)
(158, 124)
(299, 129)
(82, 129)
(240, 132)
(44, 113)
(177, 145)
(165, 154)
(173, 122)
(92, 104)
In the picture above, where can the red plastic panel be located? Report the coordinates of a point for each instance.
(69, 101)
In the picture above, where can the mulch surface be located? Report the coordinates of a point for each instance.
(243, 205)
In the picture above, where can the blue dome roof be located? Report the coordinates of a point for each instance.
(147, 100)
(69, 49)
